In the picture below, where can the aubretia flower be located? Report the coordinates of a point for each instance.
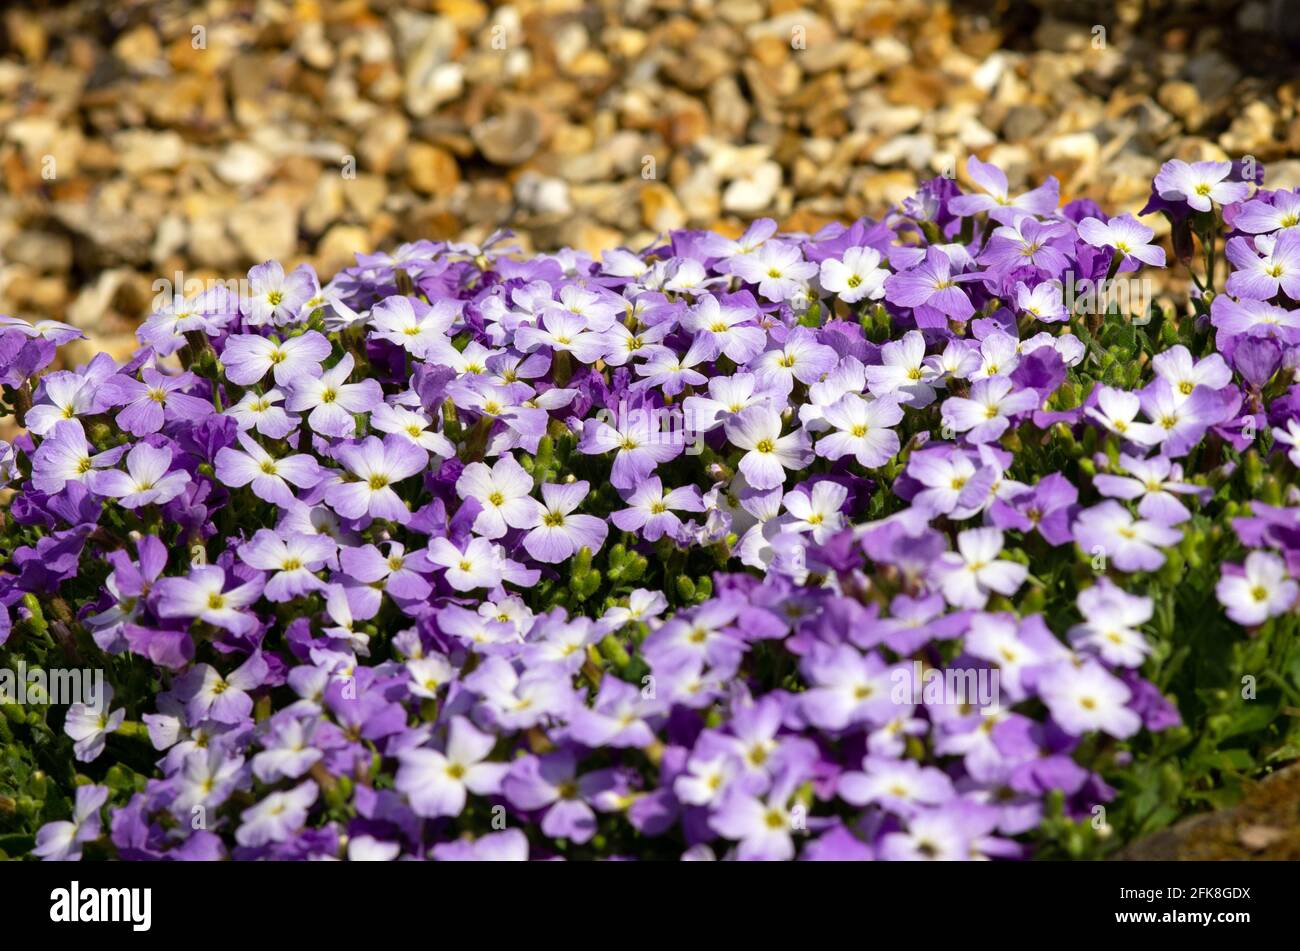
(1131, 544)
(768, 454)
(556, 532)
(857, 276)
(846, 688)
(1044, 302)
(90, 726)
(984, 416)
(1257, 590)
(413, 426)
(158, 400)
(332, 400)
(895, 784)
(862, 430)
(438, 783)
(1125, 234)
(62, 841)
(148, 479)
(248, 357)
(208, 694)
(1262, 278)
(270, 477)
(202, 595)
(997, 201)
(638, 439)
(904, 372)
(931, 290)
(763, 827)
(1199, 184)
(276, 297)
(1110, 625)
(293, 558)
(1157, 482)
(376, 467)
(65, 457)
(502, 494)
(651, 511)
(1290, 437)
(480, 565)
(551, 783)
(818, 511)
(729, 327)
(277, 817)
(263, 414)
(1087, 699)
(777, 267)
(969, 575)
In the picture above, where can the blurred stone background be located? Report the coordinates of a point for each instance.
(139, 140)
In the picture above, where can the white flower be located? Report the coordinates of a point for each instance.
(968, 575)
(1262, 590)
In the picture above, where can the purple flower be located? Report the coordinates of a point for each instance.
(556, 533)
(438, 783)
(551, 783)
(248, 357)
(333, 401)
(997, 201)
(1131, 544)
(1198, 184)
(932, 291)
(203, 596)
(274, 297)
(158, 400)
(651, 511)
(376, 467)
(270, 477)
(147, 481)
(62, 841)
(293, 558)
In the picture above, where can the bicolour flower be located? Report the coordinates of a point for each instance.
(1259, 589)
(158, 400)
(1111, 618)
(1088, 699)
(652, 512)
(1199, 184)
(846, 688)
(480, 564)
(262, 412)
(415, 326)
(375, 467)
(556, 532)
(1260, 217)
(438, 783)
(65, 456)
(332, 400)
(1125, 234)
(818, 512)
(757, 431)
(412, 425)
(777, 267)
(639, 439)
(904, 372)
(502, 494)
(1290, 437)
(89, 726)
(1131, 544)
(985, 415)
(997, 201)
(269, 477)
(970, 574)
(148, 480)
(202, 595)
(61, 841)
(275, 297)
(932, 291)
(1262, 277)
(858, 275)
(728, 327)
(862, 430)
(294, 558)
(1157, 482)
(248, 357)
(899, 785)
(1045, 301)
(277, 817)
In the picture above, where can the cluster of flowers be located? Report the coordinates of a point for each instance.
(467, 556)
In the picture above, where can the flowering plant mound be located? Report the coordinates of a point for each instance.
(876, 543)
